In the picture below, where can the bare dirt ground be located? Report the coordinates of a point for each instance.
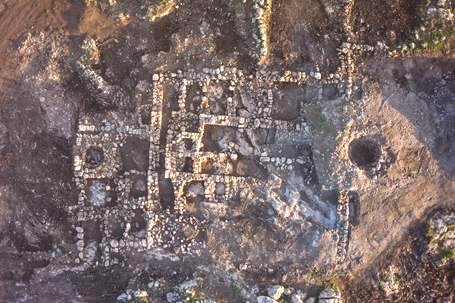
(424, 274)
(283, 227)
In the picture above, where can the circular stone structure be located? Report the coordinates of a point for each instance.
(94, 157)
(364, 152)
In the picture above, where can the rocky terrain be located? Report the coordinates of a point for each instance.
(227, 151)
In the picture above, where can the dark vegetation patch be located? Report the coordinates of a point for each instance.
(391, 21)
(306, 32)
(101, 286)
(135, 154)
(287, 102)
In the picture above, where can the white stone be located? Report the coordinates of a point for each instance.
(275, 292)
(123, 297)
(330, 295)
(297, 298)
(114, 243)
(140, 294)
(172, 297)
(80, 244)
(264, 299)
